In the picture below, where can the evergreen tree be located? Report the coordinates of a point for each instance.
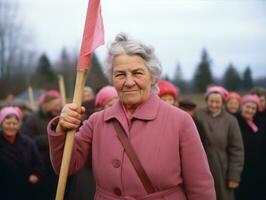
(96, 79)
(203, 75)
(178, 78)
(66, 67)
(247, 79)
(231, 78)
(44, 76)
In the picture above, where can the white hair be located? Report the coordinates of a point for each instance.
(124, 45)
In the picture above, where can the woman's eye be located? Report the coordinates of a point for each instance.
(138, 73)
(119, 75)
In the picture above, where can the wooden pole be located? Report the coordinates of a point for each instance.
(62, 89)
(31, 99)
(77, 99)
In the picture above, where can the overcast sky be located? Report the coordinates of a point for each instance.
(231, 31)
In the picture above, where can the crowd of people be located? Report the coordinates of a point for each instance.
(186, 152)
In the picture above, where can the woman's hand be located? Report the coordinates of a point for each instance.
(33, 179)
(70, 117)
(233, 184)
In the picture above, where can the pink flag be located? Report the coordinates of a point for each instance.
(93, 34)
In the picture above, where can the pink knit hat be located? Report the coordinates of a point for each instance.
(233, 95)
(167, 87)
(252, 98)
(10, 110)
(104, 95)
(50, 93)
(217, 89)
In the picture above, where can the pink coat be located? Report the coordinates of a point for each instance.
(165, 140)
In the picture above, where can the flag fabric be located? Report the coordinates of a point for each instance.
(93, 34)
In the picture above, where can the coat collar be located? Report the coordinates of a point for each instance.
(221, 113)
(147, 111)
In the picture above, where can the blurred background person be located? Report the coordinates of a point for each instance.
(253, 177)
(168, 92)
(88, 102)
(106, 97)
(10, 100)
(88, 94)
(36, 127)
(188, 106)
(261, 93)
(222, 140)
(20, 162)
(232, 102)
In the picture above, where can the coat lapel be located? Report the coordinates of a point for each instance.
(147, 111)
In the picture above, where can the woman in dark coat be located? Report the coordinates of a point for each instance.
(261, 93)
(20, 166)
(35, 127)
(221, 138)
(253, 178)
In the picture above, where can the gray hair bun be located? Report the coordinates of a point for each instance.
(121, 37)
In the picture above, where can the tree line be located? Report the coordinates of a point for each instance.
(232, 79)
(45, 76)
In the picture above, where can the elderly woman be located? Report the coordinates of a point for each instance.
(232, 103)
(20, 166)
(172, 161)
(253, 178)
(222, 140)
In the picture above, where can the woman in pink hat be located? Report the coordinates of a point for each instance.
(106, 97)
(221, 138)
(168, 92)
(20, 166)
(253, 177)
(232, 102)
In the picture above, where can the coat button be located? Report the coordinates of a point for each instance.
(116, 163)
(117, 191)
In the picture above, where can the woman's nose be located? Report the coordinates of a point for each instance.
(129, 82)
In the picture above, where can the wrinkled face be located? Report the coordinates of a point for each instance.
(53, 107)
(263, 101)
(215, 102)
(10, 126)
(132, 80)
(232, 105)
(248, 110)
(168, 98)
